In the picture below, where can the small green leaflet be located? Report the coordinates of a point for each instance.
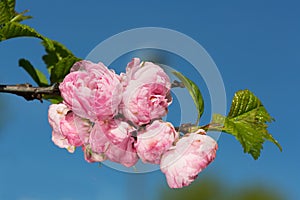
(62, 68)
(8, 13)
(247, 121)
(55, 54)
(35, 74)
(53, 99)
(58, 58)
(194, 92)
(15, 29)
(7, 10)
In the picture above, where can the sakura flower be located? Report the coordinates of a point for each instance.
(56, 113)
(75, 129)
(113, 141)
(146, 93)
(155, 140)
(183, 162)
(92, 91)
(123, 153)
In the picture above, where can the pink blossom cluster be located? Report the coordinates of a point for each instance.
(118, 118)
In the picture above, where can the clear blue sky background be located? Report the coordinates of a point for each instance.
(254, 44)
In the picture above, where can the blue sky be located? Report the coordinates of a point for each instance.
(254, 44)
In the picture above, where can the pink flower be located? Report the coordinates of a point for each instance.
(146, 94)
(99, 143)
(112, 140)
(91, 156)
(117, 130)
(131, 69)
(155, 140)
(56, 114)
(123, 153)
(92, 91)
(187, 159)
(75, 129)
(144, 72)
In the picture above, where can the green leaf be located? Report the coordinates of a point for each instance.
(20, 17)
(35, 74)
(247, 121)
(55, 54)
(62, 68)
(53, 99)
(7, 10)
(14, 29)
(56, 100)
(194, 92)
(58, 58)
(8, 13)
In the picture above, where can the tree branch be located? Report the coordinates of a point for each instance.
(29, 92)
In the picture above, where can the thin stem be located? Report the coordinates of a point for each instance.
(212, 127)
(177, 84)
(29, 92)
(190, 128)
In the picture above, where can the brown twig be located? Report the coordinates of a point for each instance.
(29, 92)
(177, 84)
(189, 128)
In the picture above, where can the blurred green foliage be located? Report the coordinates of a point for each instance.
(211, 188)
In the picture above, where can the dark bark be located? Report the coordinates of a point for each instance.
(29, 92)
